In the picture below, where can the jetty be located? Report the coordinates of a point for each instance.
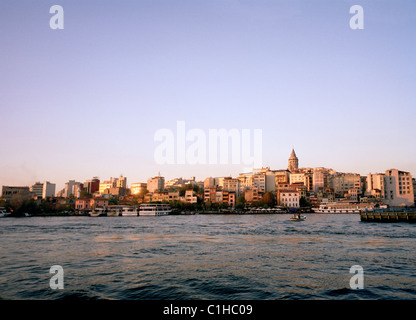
(389, 215)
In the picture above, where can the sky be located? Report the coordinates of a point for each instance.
(87, 100)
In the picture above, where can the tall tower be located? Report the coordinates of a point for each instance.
(293, 162)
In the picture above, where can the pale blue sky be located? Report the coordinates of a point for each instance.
(87, 100)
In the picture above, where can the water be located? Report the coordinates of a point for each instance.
(218, 257)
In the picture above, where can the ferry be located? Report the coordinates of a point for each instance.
(129, 211)
(4, 213)
(154, 209)
(343, 208)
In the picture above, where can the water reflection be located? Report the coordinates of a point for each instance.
(207, 257)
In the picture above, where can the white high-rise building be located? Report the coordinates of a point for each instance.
(70, 188)
(398, 188)
(48, 189)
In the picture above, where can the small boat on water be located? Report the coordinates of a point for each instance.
(297, 217)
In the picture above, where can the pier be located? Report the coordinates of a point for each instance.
(389, 215)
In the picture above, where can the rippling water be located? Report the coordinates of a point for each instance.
(206, 257)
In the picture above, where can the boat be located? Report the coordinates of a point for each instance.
(98, 212)
(4, 213)
(154, 209)
(129, 211)
(297, 217)
(343, 208)
(114, 211)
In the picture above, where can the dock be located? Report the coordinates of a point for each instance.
(389, 215)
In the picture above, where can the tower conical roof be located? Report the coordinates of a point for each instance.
(293, 154)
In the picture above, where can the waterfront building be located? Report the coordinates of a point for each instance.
(218, 196)
(189, 197)
(210, 194)
(231, 184)
(91, 203)
(343, 182)
(414, 189)
(288, 198)
(375, 186)
(252, 194)
(398, 187)
(156, 184)
(229, 198)
(9, 191)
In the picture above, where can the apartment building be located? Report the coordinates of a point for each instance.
(398, 187)
(156, 184)
(288, 198)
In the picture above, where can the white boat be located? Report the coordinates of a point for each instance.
(154, 209)
(4, 213)
(98, 212)
(342, 208)
(129, 211)
(297, 217)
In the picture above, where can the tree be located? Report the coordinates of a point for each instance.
(268, 199)
(240, 202)
(303, 202)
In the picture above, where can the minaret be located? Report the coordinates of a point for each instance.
(293, 161)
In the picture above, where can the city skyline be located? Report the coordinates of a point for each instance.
(87, 100)
(291, 167)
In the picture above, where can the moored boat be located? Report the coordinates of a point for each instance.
(129, 211)
(4, 213)
(343, 208)
(154, 209)
(114, 211)
(98, 212)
